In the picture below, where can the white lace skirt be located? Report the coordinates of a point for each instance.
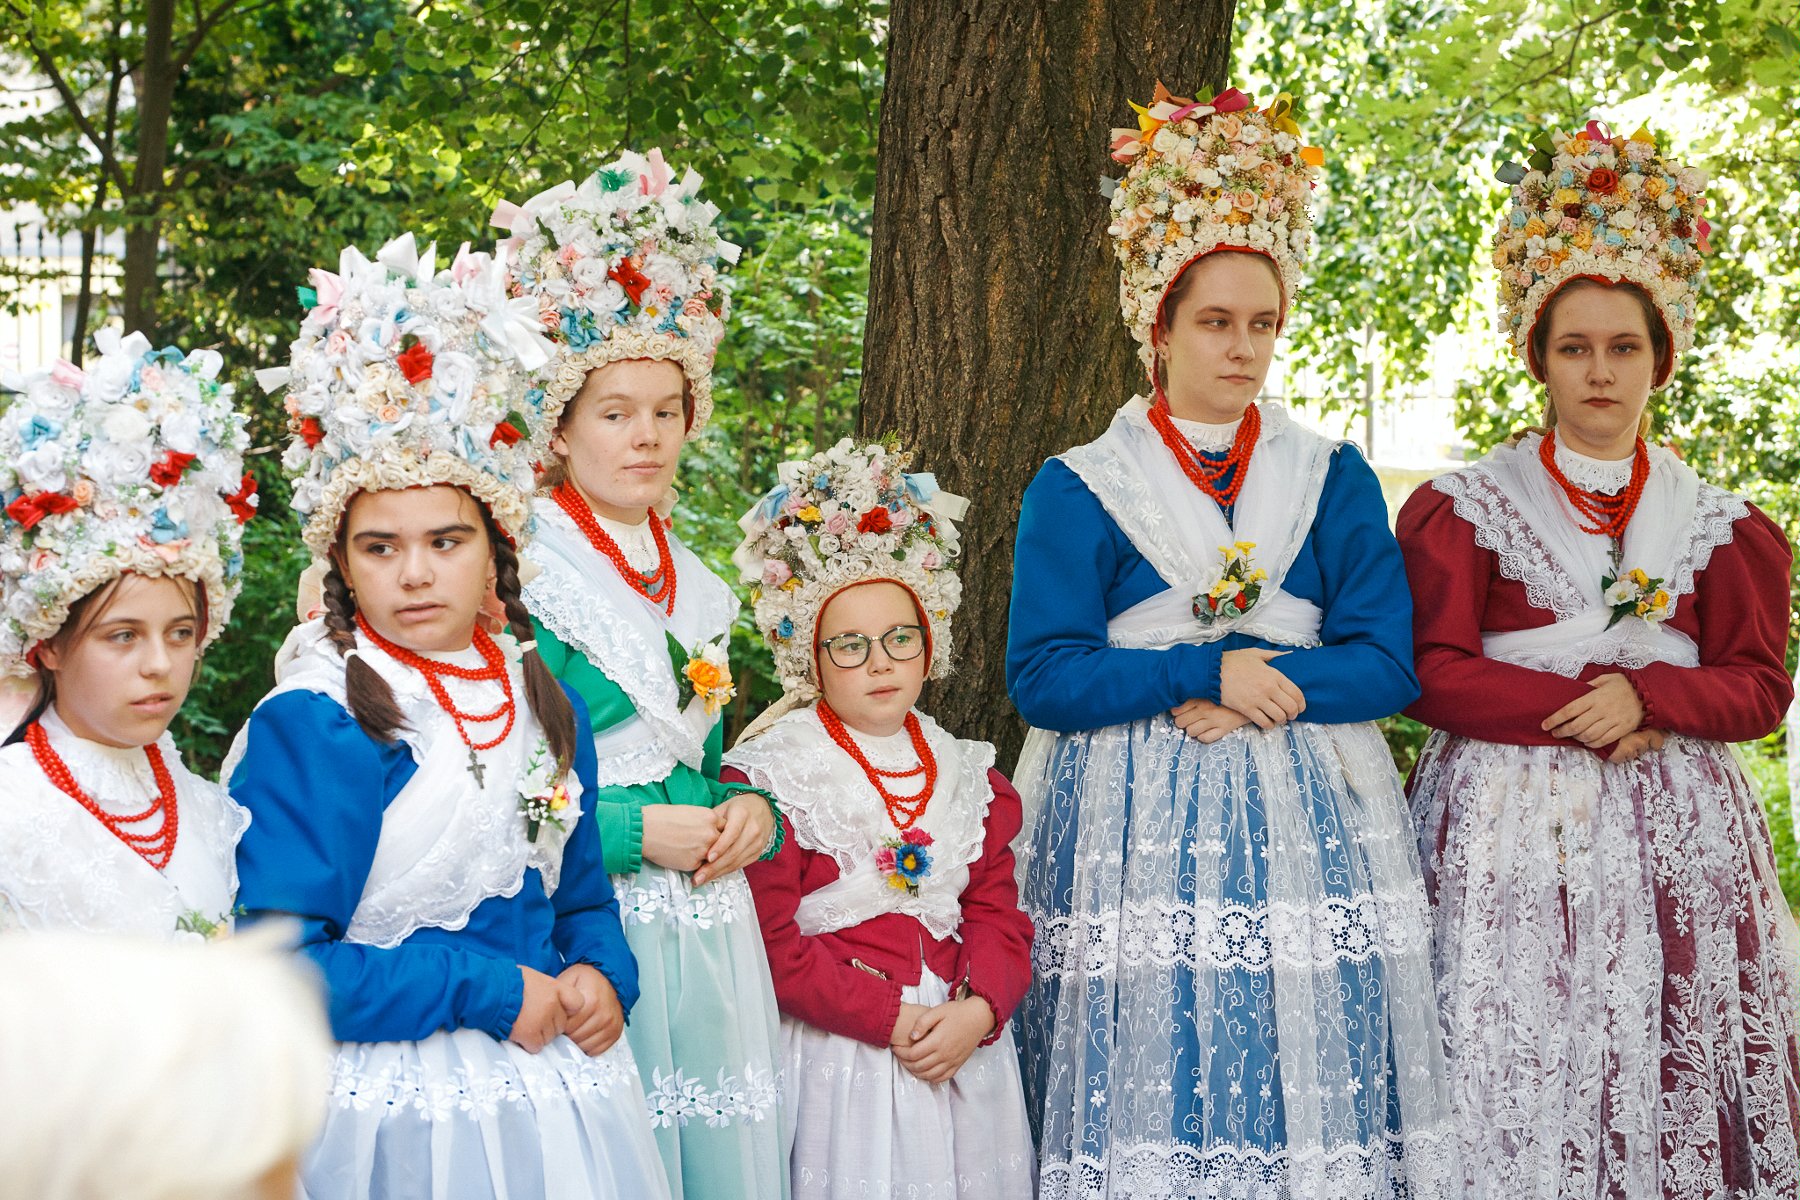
(865, 1127)
(705, 1033)
(1617, 970)
(1233, 993)
(461, 1116)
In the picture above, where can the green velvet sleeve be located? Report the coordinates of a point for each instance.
(618, 811)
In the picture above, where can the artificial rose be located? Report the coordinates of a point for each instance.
(1603, 180)
(242, 503)
(876, 520)
(123, 423)
(167, 472)
(414, 362)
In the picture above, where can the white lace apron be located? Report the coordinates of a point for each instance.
(580, 596)
(60, 868)
(460, 1115)
(1583, 1060)
(864, 1126)
(1149, 889)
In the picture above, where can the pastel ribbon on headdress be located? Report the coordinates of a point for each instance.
(403, 257)
(1597, 132)
(922, 486)
(659, 175)
(1281, 115)
(67, 374)
(515, 324)
(326, 290)
(517, 218)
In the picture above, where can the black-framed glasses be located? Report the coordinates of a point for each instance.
(902, 643)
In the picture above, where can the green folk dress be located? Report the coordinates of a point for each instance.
(705, 1030)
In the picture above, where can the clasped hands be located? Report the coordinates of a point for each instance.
(579, 1002)
(1610, 712)
(933, 1042)
(710, 842)
(1251, 692)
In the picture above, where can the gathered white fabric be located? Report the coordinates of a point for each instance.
(447, 842)
(461, 1116)
(835, 810)
(865, 1126)
(60, 868)
(581, 598)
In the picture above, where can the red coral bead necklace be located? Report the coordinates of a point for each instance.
(435, 672)
(903, 811)
(658, 587)
(1204, 473)
(1609, 514)
(155, 848)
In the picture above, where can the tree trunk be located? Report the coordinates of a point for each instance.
(155, 102)
(994, 338)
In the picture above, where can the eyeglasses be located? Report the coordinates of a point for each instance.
(903, 643)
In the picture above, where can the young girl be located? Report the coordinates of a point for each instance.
(891, 914)
(626, 269)
(1595, 625)
(418, 783)
(1234, 980)
(125, 496)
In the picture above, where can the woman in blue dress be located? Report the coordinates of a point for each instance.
(1234, 992)
(417, 778)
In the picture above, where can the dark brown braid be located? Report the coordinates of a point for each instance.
(370, 698)
(549, 703)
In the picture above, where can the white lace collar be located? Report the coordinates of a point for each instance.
(117, 778)
(1606, 476)
(1203, 435)
(637, 541)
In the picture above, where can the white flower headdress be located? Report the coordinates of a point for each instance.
(407, 376)
(1205, 177)
(626, 265)
(844, 516)
(132, 465)
(1589, 205)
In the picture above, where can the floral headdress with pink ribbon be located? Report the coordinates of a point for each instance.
(404, 376)
(629, 264)
(135, 464)
(1593, 205)
(1204, 177)
(847, 515)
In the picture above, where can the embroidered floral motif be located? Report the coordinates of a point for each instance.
(652, 897)
(677, 1098)
(905, 860)
(471, 1090)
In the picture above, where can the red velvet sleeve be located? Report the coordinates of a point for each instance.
(1741, 688)
(995, 957)
(810, 983)
(1462, 691)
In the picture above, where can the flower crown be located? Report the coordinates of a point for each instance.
(407, 376)
(1588, 204)
(135, 464)
(1203, 177)
(627, 265)
(847, 515)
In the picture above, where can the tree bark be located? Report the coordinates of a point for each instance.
(994, 338)
(143, 229)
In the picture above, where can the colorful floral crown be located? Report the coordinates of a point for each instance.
(135, 464)
(627, 265)
(1588, 204)
(1203, 177)
(407, 376)
(845, 516)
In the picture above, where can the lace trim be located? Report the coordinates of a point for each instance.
(1204, 435)
(1230, 935)
(653, 896)
(1606, 476)
(1419, 1166)
(674, 1100)
(1476, 497)
(472, 1090)
(1716, 514)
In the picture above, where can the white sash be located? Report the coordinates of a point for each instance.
(446, 843)
(581, 598)
(836, 811)
(1520, 513)
(1179, 530)
(60, 868)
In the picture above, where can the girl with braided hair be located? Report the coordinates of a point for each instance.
(416, 778)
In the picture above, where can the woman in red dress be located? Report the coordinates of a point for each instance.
(1595, 626)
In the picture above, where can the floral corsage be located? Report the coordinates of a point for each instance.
(1237, 590)
(905, 860)
(211, 928)
(707, 677)
(542, 796)
(1635, 594)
